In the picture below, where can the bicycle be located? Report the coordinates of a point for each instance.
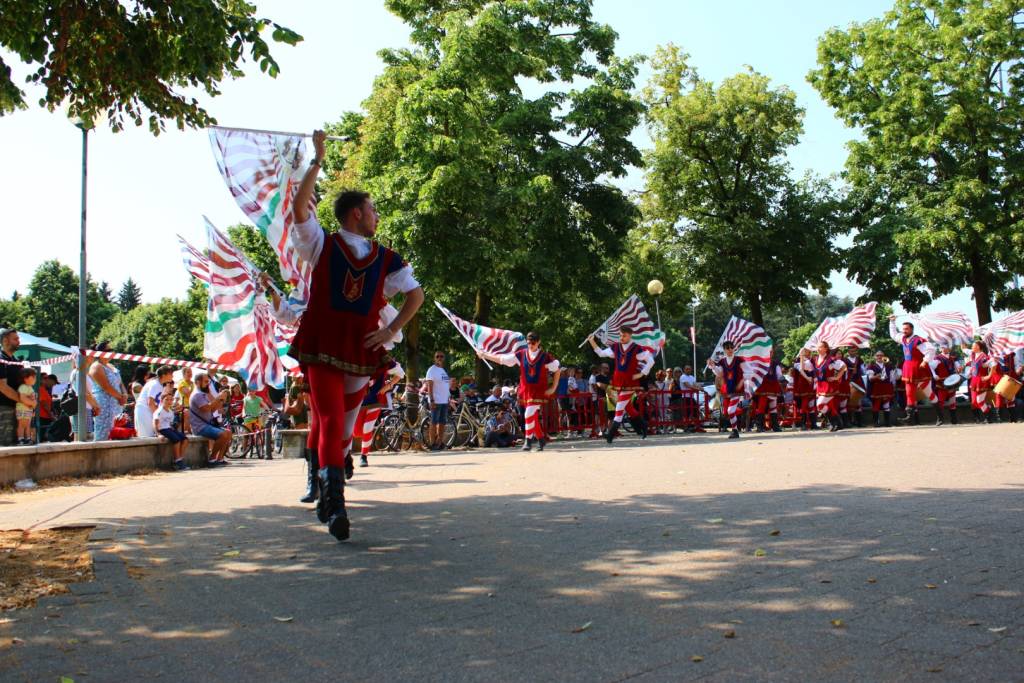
(252, 443)
(401, 431)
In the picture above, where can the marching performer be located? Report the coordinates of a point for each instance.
(729, 370)
(1003, 366)
(916, 375)
(803, 392)
(854, 376)
(535, 365)
(842, 389)
(944, 365)
(381, 383)
(827, 372)
(881, 376)
(766, 398)
(339, 340)
(632, 363)
(977, 366)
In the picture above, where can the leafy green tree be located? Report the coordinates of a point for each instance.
(130, 295)
(11, 312)
(255, 246)
(501, 199)
(935, 87)
(50, 309)
(160, 329)
(132, 60)
(720, 189)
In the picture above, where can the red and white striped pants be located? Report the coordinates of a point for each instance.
(335, 397)
(731, 408)
(365, 424)
(532, 417)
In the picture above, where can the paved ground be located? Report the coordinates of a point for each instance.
(898, 556)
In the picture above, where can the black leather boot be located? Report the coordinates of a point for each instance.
(888, 418)
(312, 482)
(858, 418)
(350, 466)
(915, 417)
(952, 416)
(877, 417)
(1004, 414)
(331, 507)
(774, 420)
(938, 416)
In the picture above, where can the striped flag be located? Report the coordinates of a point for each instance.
(196, 263)
(492, 340)
(852, 329)
(631, 314)
(1004, 336)
(263, 172)
(950, 327)
(240, 330)
(752, 344)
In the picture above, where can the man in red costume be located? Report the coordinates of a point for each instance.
(632, 363)
(1003, 366)
(881, 378)
(340, 341)
(854, 375)
(803, 392)
(729, 369)
(942, 366)
(766, 398)
(535, 365)
(916, 374)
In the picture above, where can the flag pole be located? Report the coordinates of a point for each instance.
(337, 138)
(464, 335)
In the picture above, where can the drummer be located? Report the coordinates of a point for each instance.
(946, 369)
(978, 369)
(1004, 366)
(855, 373)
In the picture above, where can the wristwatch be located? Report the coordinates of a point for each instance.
(317, 161)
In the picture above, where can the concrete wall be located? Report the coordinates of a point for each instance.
(102, 457)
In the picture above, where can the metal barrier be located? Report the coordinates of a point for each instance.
(579, 413)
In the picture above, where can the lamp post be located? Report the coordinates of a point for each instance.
(83, 428)
(655, 288)
(693, 333)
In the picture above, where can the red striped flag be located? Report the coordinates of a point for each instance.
(752, 344)
(493, 340)
(852, 329)
(195, 261)
(1004, 336)
(634, 315)
(949, 327)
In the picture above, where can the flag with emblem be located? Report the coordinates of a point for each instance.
(752, 344)
(632, 314)
(491, 340)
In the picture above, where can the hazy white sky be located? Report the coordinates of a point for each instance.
(145, 190)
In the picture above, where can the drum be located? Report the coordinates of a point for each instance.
(1007, 388)
(856, 393)
(953, 381)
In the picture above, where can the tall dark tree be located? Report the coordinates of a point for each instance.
(719, 187)
(131, 60)
(130, 295)
(937, 89)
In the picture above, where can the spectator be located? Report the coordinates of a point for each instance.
(498, 430)
(236, 402)
(149, 400)
(494, 396)
(437, 386)
(46, 404)
(10, 380)
(83, 364)
(202, 405)
(108, 392)
(163, 424)
(252, 410)
(139, 378)
(26, 408)
(687, 384)
(184, 393)
(296, 403)
(599, 388)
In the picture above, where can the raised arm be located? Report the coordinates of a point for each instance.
(896, 334)
(300, 209)
(508, 359)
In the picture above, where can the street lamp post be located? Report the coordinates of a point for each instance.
(83, 428)
(655, 288)
(693, 333)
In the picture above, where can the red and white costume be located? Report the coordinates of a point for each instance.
(352, 277)
(826, 371)
(854, 374)
(1004, 366)
(942, 366)
(882, 385)
(767, 393)
(916, 374)
(729, 370)
(534, 369)
(803, 392)
(977, 367)
(374, 401)
(630, 360)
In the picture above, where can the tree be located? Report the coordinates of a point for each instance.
(256, 247)
(937, 90)
(718, 186)
(501, 199)
(130, 295)
(105, 293)
(51, 305)
(132, 60)
(11, 312)
(164, 329)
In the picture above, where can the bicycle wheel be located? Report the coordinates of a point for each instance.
(240, 442)
(391, 429)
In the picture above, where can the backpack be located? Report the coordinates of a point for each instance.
(59, 429)
(68, 402)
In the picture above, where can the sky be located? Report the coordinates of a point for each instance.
(144, 190)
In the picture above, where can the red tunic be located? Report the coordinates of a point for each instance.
(346, 295)
(825, 380)
(732, 376)
(912, 357)
(533, 376)
(627, 364)
(770, 385)
(881, 381)
(979, 371)
(801, 385)
(1004, 367)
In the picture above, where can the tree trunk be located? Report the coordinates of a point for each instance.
(412, 349)
(982, 289)
(481, 315)
(754, 303)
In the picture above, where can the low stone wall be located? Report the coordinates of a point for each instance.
(293, 443)
(49, 460)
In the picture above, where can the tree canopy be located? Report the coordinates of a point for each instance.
(130, 295)
(937, 89)
(50, 309)
(719, 190)
(132, 60)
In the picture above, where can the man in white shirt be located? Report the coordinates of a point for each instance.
(438, 388)
(149, 400)
(340, 339)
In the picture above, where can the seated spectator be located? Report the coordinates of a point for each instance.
(201, 408)
(163, 424)
(498, 430)
(296, 403)
(25, 411)
(495, 395)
